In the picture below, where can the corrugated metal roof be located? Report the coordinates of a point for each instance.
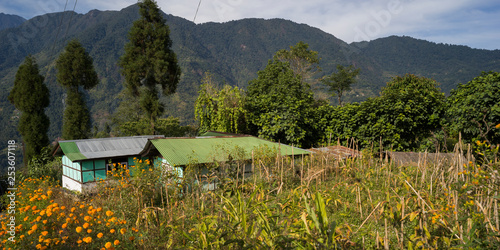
(217, 133)
(183, 151)
(338, 152)
(77, 150)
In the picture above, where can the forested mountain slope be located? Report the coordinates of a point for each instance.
(233, 51)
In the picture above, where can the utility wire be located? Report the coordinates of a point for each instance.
(60, 26)
(195, 14)
(70, 18)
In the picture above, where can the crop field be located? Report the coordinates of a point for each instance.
(311, 202)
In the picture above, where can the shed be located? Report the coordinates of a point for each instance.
(176, 153)
(86, 161)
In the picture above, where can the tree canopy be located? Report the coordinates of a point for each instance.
(75, 70)
(280, 106)
(31, 96)
(302, 61)
(220, 109)
(474, 108)
(149, 61)
(339, 82)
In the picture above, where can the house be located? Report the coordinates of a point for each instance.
(175, 154)
(84, 162)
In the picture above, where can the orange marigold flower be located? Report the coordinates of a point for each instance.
(112, 231)
(99, 235)
(109, 213)
(87, 239)
(123, 231)
(131, 238)
(79, 229)
(44, 233)
(108, 244)
(117, 242)
(86, 225)
(34, 227)
(87, 218)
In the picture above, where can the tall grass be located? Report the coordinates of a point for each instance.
(310, 202)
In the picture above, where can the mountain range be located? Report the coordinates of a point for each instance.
(233, 52)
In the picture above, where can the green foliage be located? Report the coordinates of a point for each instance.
(33, 128)
(149, 60)
(75, 68)
(31, 96)
(220, 109)
(408, 110)
(303, 62)
(76, 119)
(280, 107)
(474, 108)
(169, 127)
(341, 81)
(45, 165)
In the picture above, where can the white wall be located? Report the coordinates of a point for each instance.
(71, 184)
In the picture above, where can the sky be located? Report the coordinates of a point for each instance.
(474, 23)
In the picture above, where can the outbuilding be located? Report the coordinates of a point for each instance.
(86, 161)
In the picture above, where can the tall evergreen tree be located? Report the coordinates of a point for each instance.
(31, 97)
(149, 61)
(75, 70)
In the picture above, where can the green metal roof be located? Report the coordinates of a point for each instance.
(183, 151)
(213, 133)
(71, 151)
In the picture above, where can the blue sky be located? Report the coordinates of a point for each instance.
(475, 23)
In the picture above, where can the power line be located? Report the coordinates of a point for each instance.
(70, 18)
(195, 14)
(60, 26)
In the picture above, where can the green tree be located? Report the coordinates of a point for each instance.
(76, 118)
(280, 107)
(339, 82)
(31, 97)
(474, 108)
(303, 62)
(220, 109)
(149, 61)
(75, 70)
(408, 111)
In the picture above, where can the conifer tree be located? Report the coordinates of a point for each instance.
(31, 97)
(149, 61)
(75, 71)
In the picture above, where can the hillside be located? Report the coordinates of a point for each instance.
(447, 64)
(10, 21)
(232, 51)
